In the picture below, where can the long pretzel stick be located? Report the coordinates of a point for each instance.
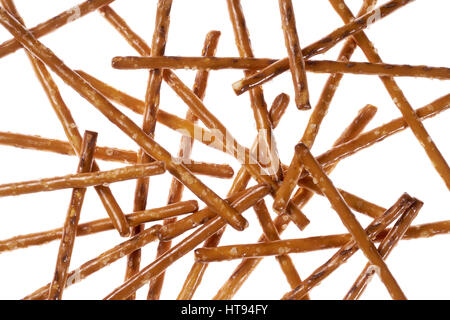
(185, 150)
(92, 227)
(119, 119)
(81, 180)
(349, 220)
(73, 217)
(181, 249)
(102, 261)
(341, 256)
(385, 248)
(271, 234)
(438, 161)
(242, 272)
(122, 27)
(258, 104)
(197, 271)
(316, 66)
(320, 46)
(54, 23)
(70, 128)
(295, 55)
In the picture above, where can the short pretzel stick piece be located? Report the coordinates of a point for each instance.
(72, 219)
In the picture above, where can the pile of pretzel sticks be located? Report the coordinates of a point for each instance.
(202, 222)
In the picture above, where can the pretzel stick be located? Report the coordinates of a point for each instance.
(385, 248)
(70, 128)
(316, 66)
(102, 261)
(271, 234)
(403, 204)
(180, 250)
(438, 161)
(295, 55)
(184, 152)
(81, 180)
(119, 119)
(55, 23)
(122, 27)
(197, 271)
(92, 227)
(241, 273)
(258, 103)
(320, 46)
(72, 218)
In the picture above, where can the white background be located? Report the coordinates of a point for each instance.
(416, 34)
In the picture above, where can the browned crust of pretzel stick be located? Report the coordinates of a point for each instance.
(102, 261)
(302, 197)
(70, 128)
(197, 271)
(102, 225)
(178, 251)
(271, 234)
(385, 248)
(349, 220)
(72, 218)
(320, 46)
(54, 23)
(295, 55)
(81, 180)
(417, 127)
(258, 103)
(346, 251)
(127, 33)
(184, 152)
(316, 66)
(119, 119)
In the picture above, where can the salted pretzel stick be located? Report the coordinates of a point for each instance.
(258, 103)
(342, 255)
(120, 120)
(54, 23)
(102, 261)
(320, 46)
(81, 180)
(122, 27)
(241, 273)
(295, 55)
(316, 66)
(271, 234)
(181, 249)
(184, 152)
(385, 248)
(349, 220)
(92, 227)
(70, 128)
(417, 127)
(72, 218)
(197, 271)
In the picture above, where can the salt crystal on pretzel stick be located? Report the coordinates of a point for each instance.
(119, 119)
(349, 220)
(82, 180)
(401, 206)
(92, 227)
(295, 55)
(70, 128)
(55, 23)
(385, 248)
(72, 218)
(320, 46)
(184, 152)
(105, 259)
(398, 97)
